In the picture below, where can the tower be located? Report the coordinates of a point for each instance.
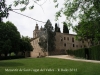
(36, 27)
(37, 31)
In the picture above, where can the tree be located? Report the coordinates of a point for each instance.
(26, 4)
(4, 9)
(88, 13)
(57, 29)
(49, 39)
(9, 38)
(65, 28)
(88, 31)
(25, 45)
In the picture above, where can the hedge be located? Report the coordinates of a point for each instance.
(92, 53)
(11, 57)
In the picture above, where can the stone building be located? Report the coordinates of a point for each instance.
(64, 41)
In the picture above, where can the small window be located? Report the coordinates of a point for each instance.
(67, 38)
(81, 46)
(73, 45)
(64, 38)
(65, 44)
(84, 46)
(72, 39)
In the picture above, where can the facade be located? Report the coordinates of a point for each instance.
(64, 41)
(37, 52)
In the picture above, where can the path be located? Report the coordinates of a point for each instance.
(72, 58)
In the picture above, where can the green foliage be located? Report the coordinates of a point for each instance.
(25, 4)
(25, 44)
(49, 39)
(4, 9)
(92, 53)
(11, 57)
(65, 28)
(88, 12)
(95, 52)
(78, 53)
(55, 1)
(83, 7)
(9, 38)
(89, 30)
(43, 42)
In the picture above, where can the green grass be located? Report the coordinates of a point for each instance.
(31, 64)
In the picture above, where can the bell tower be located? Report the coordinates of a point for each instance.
(36, 27)
(36, 32)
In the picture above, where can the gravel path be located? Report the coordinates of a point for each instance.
(72, 58)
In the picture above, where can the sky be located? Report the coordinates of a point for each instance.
(26, 25)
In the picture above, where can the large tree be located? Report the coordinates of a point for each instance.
(49, 40)
(89, 31)
(25, 45)
(9, 38)
(57, 29)
(65, 28)
(88, 13)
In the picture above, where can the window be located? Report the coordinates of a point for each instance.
(64, 38)
(72, 39)
(73, 45)
(65, 44)
(61, 39)
(67, 38)
(84, 46)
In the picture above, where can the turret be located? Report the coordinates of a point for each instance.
(36, 27)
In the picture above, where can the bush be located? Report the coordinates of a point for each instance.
(77, 53)
(92, 53)
(11, 57)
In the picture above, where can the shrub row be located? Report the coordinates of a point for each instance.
(11, 57)
(92, 53)
(78, 53)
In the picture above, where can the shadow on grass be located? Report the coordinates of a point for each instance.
(10, 64)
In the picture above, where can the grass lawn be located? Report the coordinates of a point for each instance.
(47, 66)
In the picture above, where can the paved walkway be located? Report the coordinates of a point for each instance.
(72, 58)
